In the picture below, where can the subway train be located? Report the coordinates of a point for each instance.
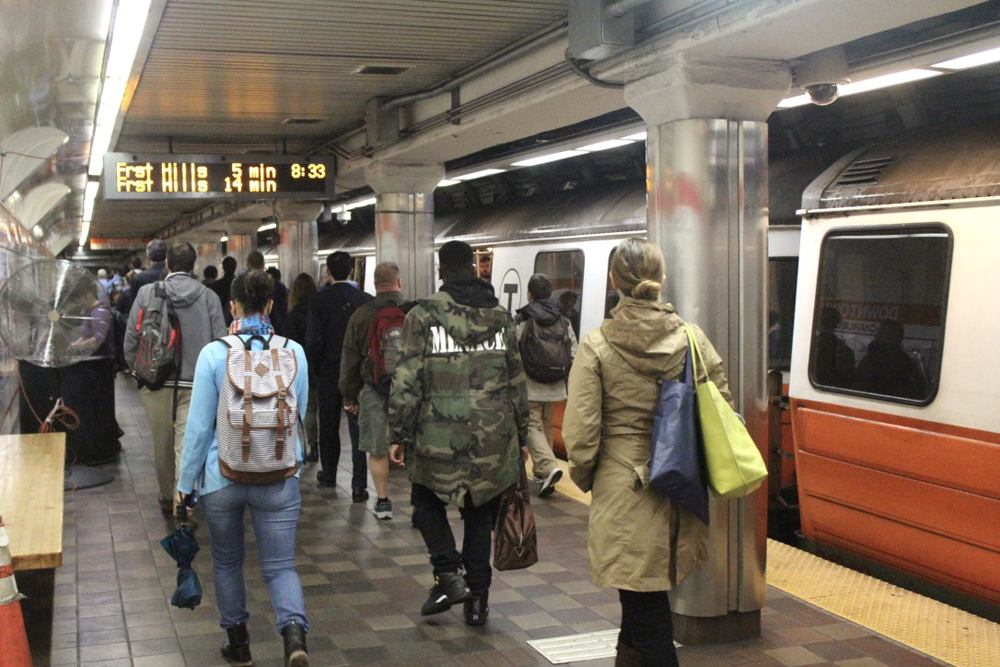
(894, 426)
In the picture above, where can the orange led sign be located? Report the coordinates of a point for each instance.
(128, 176)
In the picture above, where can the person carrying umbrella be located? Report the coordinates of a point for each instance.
(274, 506)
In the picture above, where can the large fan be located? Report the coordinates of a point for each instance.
(53, 313)
(56, 315)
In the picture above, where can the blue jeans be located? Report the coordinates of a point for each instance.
(275, 511)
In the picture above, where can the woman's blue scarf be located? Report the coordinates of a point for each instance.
(253, 325)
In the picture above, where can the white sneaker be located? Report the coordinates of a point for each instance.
(549, 485)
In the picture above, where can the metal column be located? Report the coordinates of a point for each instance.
(707, 210)
(239, 246)
(404, 234)
(209, 254)
(296, 249)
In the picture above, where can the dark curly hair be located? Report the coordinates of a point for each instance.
(252, 289)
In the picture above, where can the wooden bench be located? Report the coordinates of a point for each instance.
(31, 498)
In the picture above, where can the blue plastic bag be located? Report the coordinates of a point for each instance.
(676, 466)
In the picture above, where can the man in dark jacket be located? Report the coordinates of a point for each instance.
(200, 316)
(357, 383)
(222, 285)
(458, 414)
(279, 311)
(156, 250)
(329, 312)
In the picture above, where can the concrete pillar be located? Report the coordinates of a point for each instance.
(299, 238)
(209, 253)
(404, 221)
(706, 154)
(239, 246)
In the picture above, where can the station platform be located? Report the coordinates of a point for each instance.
(364, 581)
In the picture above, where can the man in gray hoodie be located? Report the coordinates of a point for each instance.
(199, 314)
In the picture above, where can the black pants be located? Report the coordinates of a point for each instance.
(647, 627)
(331, 406)
(431, 518)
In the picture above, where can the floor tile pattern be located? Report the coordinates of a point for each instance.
(364, 583)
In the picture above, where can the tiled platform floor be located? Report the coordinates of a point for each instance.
(364, 583)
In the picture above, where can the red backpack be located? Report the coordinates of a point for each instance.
(385, 336)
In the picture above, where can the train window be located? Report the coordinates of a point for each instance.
(484, 263)
(565, 270)
(611, 296)
(881, 301)
(782, 275)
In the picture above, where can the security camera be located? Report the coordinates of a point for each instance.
(823, 93)
(344, 217)
(821, 74)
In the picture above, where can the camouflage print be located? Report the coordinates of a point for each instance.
(459, 401)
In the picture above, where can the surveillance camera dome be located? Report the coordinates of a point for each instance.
(823, 93)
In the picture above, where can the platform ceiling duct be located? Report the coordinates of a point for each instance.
(24, 151)
(35, 205)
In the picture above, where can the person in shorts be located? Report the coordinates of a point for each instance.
(357, 383)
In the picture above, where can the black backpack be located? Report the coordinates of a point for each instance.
(158, 354)
(546, 350)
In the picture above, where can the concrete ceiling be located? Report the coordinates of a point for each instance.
(225, 76)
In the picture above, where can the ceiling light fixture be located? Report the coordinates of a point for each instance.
(89, 197)
(267, 227)
(972, 60)
(123, 43)
(223, 239)
(84, 233)
(605, 145)
(638, 136)
(479, 174)
(359, 204)
(543, 159)
(448, 181)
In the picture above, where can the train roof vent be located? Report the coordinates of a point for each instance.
(381, 70)
(864, 172)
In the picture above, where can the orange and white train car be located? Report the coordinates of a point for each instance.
(895, 370)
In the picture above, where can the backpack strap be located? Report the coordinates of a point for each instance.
(247, 404)
(279, 443)
(276, 341)
(230, 341)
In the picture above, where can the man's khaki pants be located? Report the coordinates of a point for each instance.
(540, 438)
(168, 435)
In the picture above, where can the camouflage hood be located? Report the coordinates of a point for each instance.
(466, 325)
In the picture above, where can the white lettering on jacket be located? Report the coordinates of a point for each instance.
(442, 343)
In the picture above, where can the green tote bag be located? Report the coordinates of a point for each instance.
(735, 466)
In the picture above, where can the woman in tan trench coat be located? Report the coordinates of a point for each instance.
(639, 542)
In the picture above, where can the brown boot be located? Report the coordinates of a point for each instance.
(628, 657)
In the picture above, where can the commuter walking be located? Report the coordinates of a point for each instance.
(303, 289)
(371, 344)
(329, 312)
(638, 541)
(199, 318)
(458, 415)
(279, 314)
(225, 491)
(156, 251)
(222, 285)
(548, 345)
(209, 274)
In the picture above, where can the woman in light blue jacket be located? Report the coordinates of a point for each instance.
(274, 507)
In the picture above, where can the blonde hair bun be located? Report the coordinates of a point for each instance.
(638, 268)
(648, 290)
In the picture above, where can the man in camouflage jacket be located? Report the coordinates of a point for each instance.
(458, 413)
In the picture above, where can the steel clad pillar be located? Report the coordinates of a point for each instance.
(404, 220)
(706, 155)
(239, 246)
(209, 254)
(299, 239)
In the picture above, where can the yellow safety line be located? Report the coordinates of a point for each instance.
(939, 630)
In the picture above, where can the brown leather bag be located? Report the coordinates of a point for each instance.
(515, 542)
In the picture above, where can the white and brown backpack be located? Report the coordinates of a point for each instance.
(258, 409)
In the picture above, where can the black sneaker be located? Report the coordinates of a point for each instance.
(383, 509)
(449, 589)
(549, 485)
(359, 495)
(325, 482)
(477, 610)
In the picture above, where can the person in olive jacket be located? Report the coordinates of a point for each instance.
(639, 541)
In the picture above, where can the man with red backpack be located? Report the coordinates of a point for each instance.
(371, 348)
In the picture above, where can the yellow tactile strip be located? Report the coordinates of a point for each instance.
(949, 634)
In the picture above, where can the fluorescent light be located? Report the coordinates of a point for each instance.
(123, 43)
(84, 232)
(223, 239)
(448, 181)
(543, 159)
(267, 227)
(638, 136)
(360, 204)
(796, 101)
(89, 197)
(605, 145)
(479, 174)
(972, 60)
(867, 85)
(886, 80)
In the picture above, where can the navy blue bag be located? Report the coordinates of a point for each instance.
(676, 466)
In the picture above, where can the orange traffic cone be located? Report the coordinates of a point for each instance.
(13, 640)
